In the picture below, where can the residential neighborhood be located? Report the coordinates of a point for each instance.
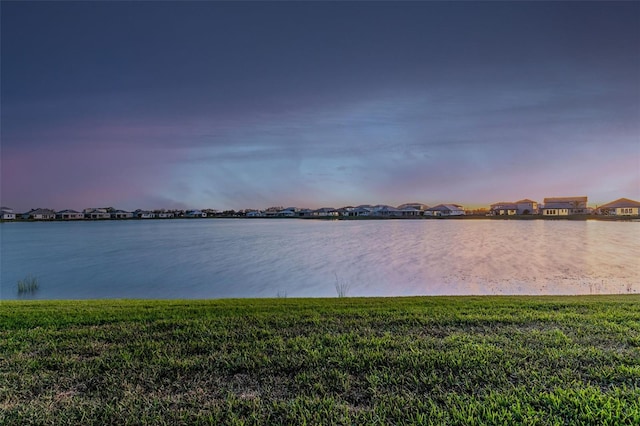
(552, 207)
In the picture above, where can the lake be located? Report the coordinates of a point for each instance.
(223, 258)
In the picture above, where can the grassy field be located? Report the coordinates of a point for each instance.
(421, 360)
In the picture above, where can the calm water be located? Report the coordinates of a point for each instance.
(296, 258)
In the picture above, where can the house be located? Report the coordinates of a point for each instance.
(503, 208)
(165, 215)
(620, 207)
(121, 214)
(305, 213)
(7, 213)
(195, 213)
(564, 206)
(40, 214)
(93, 213)
(364, 210)
(508, 208)
(288, 212)
(382, 210)
(254, 213)
(324, 212)
(445, 210)
(527, 206)
(69, 215)
(412, 209)
(144, 214)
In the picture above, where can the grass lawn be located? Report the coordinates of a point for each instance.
(419, 360)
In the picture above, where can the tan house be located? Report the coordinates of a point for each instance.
(504, 208)
(564, 206)
(620, 207)
(508, 208)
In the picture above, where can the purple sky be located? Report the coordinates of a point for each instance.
(248, 105)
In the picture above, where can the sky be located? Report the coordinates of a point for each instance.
(235, 105)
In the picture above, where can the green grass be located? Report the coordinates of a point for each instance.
(422, 360)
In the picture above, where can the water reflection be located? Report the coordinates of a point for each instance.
(264, 258)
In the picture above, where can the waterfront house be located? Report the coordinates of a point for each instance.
(504, 208)
(195, 213)
(364, 210)
(165, 215)
(254, 213)
(288, 212)
(144, 214)
(69, 215)
(527, 206)
(40, 214)
(324, 212)
(7, 213)
(412, 209)
(620, 207)
(121, 214)
(445, 210)
(93, 213)
(564, 206)
(382, 210)
(507, 208)
(344, 211)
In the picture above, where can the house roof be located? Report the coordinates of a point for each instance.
(621, 202)
(418, 206)
(558, 205)
(42, 211)
(504, 205)
(68, 211)
(446, 207)
(382, 207)
(565, 200)
(526, 200)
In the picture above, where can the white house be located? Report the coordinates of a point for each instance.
(7, 213)
(382, 210)
(40, 214)
(165, 215)
(445, 210)
(69, 215)
(288, 212)
(413, 209)
(93, 213)
(364, 210)
(144, 214)
(620, 207)
(527, 206)
(195, 213)
(121, 214)
(564, 206)
(324, 212)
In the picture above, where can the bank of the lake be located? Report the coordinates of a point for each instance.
(418, 360)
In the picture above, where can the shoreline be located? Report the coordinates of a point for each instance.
(362, 218)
